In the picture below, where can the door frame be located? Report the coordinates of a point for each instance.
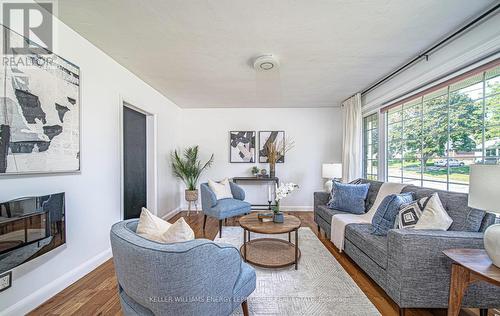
(151, 156)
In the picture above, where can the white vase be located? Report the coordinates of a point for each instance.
(492, 243)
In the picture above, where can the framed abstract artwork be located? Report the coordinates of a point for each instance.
(39, 114)
(242, 146)
(266, 137)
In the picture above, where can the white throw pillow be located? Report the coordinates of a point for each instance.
(151, 227)
(179, 231)
(221, 189)
(434, 216)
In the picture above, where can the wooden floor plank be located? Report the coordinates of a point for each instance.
(97, 292)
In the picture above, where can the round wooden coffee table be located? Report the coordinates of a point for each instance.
(270, 252)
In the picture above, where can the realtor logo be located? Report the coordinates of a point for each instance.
(32, 21)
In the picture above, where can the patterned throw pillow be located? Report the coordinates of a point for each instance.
(429, 209)
(409, 214)
(349, 198)
(388, 210)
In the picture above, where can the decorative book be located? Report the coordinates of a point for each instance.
(265, 217)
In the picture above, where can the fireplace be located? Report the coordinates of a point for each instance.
(30, 227)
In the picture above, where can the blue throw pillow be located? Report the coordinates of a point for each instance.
(388, 210)
(349, 197)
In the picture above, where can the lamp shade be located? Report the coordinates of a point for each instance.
(484, 187)
(332, 170)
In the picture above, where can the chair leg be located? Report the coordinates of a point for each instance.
(204, 222)
(220, 228)
(244, 306)
(402, 311)
(483, 312)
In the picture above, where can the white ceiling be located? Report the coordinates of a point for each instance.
(198, 52)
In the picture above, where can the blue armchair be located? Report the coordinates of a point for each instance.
(197, 277)
(225, 208)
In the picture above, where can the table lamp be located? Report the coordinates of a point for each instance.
(484, 194)
(331, 171)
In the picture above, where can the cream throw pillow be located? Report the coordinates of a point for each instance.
(179, 231)
(221, 189)
(434, 216)
(154, 228)
(151, 227)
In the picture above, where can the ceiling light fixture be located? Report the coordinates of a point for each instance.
(265, 63)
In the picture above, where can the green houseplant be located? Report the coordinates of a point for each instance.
(255, 171)
(188, 168)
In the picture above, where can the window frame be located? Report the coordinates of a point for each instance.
(383, 126)
(365, 159)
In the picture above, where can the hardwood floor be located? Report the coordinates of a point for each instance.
(96, 293)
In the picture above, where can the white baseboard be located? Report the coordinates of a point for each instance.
(172, 213)
(27, 304)
(297, 208)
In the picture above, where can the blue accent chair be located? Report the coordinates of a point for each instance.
(225, 208)
(197, 277)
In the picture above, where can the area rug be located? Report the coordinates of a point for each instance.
(319, 287)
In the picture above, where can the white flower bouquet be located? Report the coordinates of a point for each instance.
(282, 191)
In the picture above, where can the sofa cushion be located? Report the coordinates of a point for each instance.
(372, 192)
(230, 207)
(388, 210)
(464, 218)
(373, 246)
(349, 197)
(326, 213)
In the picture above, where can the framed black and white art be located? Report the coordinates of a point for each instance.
(39, 115)
(242, 146)
(266, 137)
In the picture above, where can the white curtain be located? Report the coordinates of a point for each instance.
(351, 138)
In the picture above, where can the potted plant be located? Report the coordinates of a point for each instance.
(188, 168)
(276, 150)
(282, 192)
(255, 171)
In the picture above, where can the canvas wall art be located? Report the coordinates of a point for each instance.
(39, 114)
(266, 137)
(242, 146)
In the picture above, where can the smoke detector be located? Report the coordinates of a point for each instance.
(265, 63)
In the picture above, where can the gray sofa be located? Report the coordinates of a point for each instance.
(409, 264)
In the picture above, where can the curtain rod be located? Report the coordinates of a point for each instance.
(426, 53)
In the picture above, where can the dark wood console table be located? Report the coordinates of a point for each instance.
(266, 180)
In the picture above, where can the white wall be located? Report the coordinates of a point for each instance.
(316, 131)
(477, 44)
(92, 197)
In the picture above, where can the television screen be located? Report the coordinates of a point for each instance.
(30, 227)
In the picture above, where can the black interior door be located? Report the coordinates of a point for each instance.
(134, 163)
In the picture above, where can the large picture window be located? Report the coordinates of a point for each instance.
(370, 147)
(433, 138)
